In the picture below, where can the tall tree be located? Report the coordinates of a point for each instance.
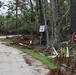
(16, 14)
(32, 12)
(37, 5)
(73, 16)
(55, 18)
(1, 4)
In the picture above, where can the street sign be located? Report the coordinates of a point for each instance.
(74, 37)
(42, 28)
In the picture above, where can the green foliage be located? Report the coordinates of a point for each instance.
(7, 41)
(64, 19)
(8, 22)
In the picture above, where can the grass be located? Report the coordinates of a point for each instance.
(48, 62)
(7, 41)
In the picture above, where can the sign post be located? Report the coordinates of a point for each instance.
(42, 28)
(42, 37)
(74, 37)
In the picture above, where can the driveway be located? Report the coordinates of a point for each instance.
(12, 62)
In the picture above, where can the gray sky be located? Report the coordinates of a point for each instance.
(4, 10)
(5, 1)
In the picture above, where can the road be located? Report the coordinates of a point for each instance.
(13, 63)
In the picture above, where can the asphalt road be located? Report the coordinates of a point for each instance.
(13, 63)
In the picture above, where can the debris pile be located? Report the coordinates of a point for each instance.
(58, 71)
(24, 40)
(55, 71)
(62, 59)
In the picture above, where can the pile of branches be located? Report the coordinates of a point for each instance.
(58, 71)
(24, 40)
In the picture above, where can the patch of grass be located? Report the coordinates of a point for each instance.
(8, 41)
(48, 62)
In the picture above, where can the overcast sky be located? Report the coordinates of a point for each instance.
(3, 11)
(4, 0)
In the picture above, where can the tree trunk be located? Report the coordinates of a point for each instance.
(37, 6)
(73, 20)
(41, 13)
(32, 13)
(46, 27)
(16, 13)
(55, 18)
(73, 16)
